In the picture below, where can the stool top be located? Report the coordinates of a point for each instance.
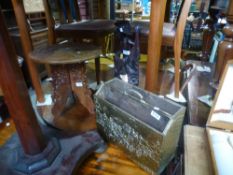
(89, 28)
(66, 53)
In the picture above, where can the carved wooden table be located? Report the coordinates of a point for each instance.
(69, 80)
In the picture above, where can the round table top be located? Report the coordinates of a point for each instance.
(66, 53)
(92, 28)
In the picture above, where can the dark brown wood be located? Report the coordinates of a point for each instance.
(169, 36)
(50, 23)
(230, 12)
(225, 52)
(198, 112)
(27, 47)
(68, 74)
(67, 53)
(16, 96)
(154, 44)
(68, 11)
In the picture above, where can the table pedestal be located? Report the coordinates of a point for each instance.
(69, 80)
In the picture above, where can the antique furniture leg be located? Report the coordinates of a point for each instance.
(154, 44)
(79, 85)
(225, 52)
(97, 70)
(27, 47)
(61, 88)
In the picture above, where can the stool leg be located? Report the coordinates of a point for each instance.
(79, 86)
(61, 88)
(97, 70)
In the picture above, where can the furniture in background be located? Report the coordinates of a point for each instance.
(62, 98)
(67, 63)
(224, 53)
(63, 26)
(154, 44)
(172, 36)
(27, 47)
(38, 33)
(198, 86)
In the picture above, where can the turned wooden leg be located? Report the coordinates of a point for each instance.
(61, 88)
(27, 47)
(79, 86)
(154, 44)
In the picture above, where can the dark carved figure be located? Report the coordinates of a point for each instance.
(127, 57)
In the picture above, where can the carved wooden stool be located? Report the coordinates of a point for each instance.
(69, 80)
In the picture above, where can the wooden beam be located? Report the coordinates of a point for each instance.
(154, 44)
(16, 95)
(27, 47)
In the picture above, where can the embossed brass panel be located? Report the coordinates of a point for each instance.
(144, 125)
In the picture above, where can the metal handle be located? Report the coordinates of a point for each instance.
(134, 93)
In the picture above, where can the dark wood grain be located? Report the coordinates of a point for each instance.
(198, 86)
(225, 52)
(67, 53)
(16, 96)
(27, 47)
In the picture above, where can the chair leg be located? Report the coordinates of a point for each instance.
(97, 70)
(177, 76)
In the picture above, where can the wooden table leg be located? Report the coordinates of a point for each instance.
(61, 88)
(79, 85)
(17, 97)
(154, 44)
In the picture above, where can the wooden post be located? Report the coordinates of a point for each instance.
(16, 95)
(154, 44)
(27, 47)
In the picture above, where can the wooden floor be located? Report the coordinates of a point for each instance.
(113, 161)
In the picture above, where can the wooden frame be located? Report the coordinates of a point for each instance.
(221, 114)
(221, 158)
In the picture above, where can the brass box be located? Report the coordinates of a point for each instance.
(145, 126)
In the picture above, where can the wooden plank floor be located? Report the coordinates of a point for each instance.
(113, 161)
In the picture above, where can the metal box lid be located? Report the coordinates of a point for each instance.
(147, 107)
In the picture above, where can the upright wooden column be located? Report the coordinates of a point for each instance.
(27, 47)
(154, 44)
(230, 12)
(16, 96)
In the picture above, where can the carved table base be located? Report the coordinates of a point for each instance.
(69, 86)
(69, 154)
